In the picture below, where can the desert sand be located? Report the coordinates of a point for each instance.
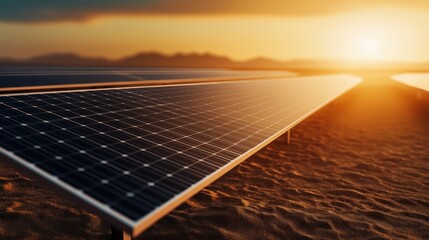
(357, 169)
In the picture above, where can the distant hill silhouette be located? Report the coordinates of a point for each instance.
(204, 60)
(56, 59)
(144, 59)
(66, 59)
(154, 59)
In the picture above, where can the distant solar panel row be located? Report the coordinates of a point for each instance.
(14, 77)
(134, 153)
(415, 80)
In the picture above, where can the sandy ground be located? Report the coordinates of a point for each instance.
(357, 169)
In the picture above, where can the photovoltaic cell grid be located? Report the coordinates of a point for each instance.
(134, 151)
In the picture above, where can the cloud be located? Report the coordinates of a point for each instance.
(80, 10)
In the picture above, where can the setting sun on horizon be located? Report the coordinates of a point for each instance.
(370, 48)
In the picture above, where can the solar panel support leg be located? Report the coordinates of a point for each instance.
(287, 140)
(119, 234)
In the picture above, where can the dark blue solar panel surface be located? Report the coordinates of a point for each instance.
(11, 77)
(133, 150)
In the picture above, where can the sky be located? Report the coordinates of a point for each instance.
(363, 30)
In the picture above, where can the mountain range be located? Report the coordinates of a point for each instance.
(202, 60)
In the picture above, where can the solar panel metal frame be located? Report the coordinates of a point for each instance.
(137, 227)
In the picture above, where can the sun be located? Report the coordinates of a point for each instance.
(369, 48)
(369, 45)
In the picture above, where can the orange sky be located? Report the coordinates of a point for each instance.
(383, 32)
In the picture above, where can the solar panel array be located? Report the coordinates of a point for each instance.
(20, 77)
(131, 153)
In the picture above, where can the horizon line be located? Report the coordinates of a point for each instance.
(208, 53)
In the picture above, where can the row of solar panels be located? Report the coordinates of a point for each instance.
(133, 154)
(415, 80)
(45, 78)
(14, 79)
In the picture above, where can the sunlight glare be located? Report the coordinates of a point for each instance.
(370, 49)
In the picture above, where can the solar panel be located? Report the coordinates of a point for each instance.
(28, 78)
(416, 80)
(133, 154)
